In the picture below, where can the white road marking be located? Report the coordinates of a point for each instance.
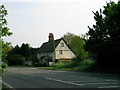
(98, 83)
(65, 82)
(99, 79)
(111, 80)
(109, 87)
(7, 85)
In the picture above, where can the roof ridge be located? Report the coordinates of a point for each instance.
(49, 46)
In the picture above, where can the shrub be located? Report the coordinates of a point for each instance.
(4, 65)
(5, 61)
(65, 65)
(75, 65)
(3, 72)
(16, 59)
(84, 65)
(39, 64)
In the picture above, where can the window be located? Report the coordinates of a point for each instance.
(62, 44)
(60, 52)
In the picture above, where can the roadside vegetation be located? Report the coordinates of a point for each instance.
(100, 49)
(2, 68)
(97, 50)
(74, 66)
(4, 32)
(104, 38)
(71, 66)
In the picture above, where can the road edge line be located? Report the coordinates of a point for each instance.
(8, 85)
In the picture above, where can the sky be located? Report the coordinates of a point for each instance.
(31, 21)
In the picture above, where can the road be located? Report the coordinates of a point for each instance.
(27, 77)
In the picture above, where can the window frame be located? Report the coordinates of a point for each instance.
(60, 52)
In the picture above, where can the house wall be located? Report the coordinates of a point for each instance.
(67, 53)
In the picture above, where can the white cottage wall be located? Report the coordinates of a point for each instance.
(66, 52)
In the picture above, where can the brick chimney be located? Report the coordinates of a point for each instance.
(51, 36)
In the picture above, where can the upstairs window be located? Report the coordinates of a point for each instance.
(60, 52)
(62, 44)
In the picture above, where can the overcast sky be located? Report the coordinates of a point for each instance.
(31, 21)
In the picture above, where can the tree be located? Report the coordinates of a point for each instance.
(104, 37)
(15, 50)
(4, 31)
(68, 37)
(25, 51)
(6, 48)
(33, 55)
(76, 43)
(15, 59)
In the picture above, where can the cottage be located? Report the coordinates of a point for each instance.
(55, 50)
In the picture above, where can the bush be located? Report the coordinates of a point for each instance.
(5, 61)
(3, 72)
(75, 65)
(4, 65)
(39, 64)
(72, 64)
(15, 59)
(84, 65)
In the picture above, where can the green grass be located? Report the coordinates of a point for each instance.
(51, 68)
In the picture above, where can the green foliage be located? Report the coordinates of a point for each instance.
(25, 51)
(104, 37)
(85, 65)
(29, 53)
(4, 30)
(6, 47)
(50, 68)
(3, 72)
(76, 43)
(39, 64)
(4, 65)
(75, 65)
(33, 55)
(15, 59)
(67, 37)
(2, 68)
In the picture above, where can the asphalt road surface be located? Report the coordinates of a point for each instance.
(27, 77)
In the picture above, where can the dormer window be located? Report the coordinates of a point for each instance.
(62, 44)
